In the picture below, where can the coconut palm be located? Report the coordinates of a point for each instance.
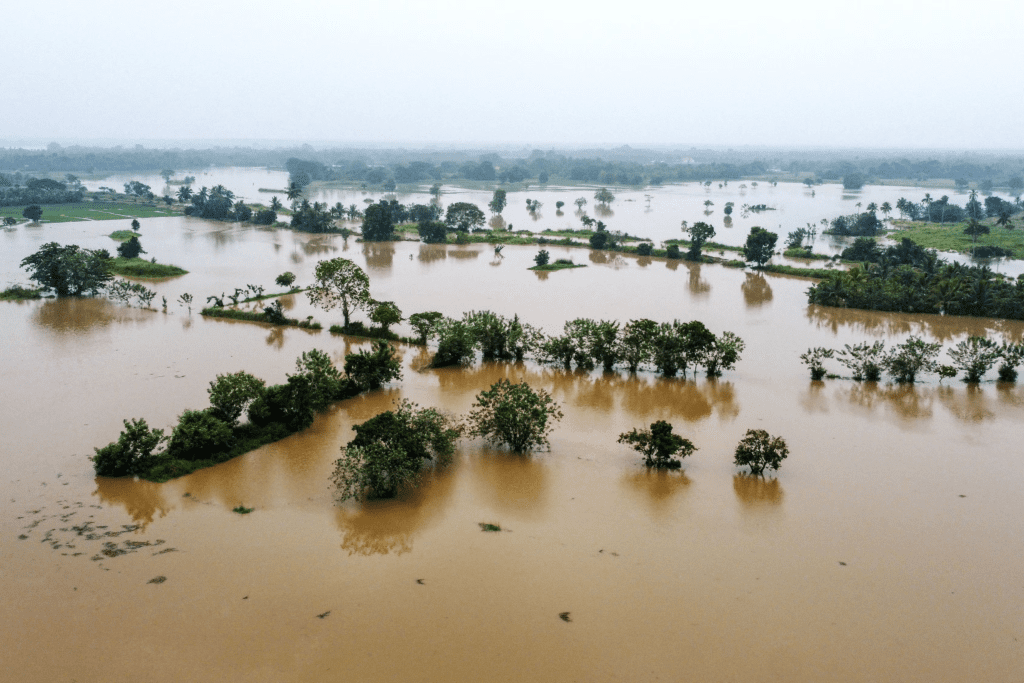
(294, 191)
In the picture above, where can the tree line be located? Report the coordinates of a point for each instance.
(905, 362)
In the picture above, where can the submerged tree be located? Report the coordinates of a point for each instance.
(339, 283)
(815, 360)
(514, 415)
(659, 446)
(975, 356)
(759, 451)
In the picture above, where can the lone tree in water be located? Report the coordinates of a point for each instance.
(514, 415)
(760, 246)
(498, 202)
(339, 283)
(759, 451)
(659, 445)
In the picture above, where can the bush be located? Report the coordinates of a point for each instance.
(644, 249)
(275, 313)
(911, 358)
(199, 435)
(864, 360)
(1012, 355)
(455, 346)
(372, 369)
(132, 453)
(514, 415)
(425, 324)
(289, 404)
(285, 279)
(231, 394)
(433, 232)
(815, 360)
(673, 252)
(659, 445)
(758, 450)
(391, 448)
(326, 384)
(130, 249)
(542, 257)
(975, 356)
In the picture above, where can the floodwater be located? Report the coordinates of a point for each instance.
(888, 548)
(652, 213)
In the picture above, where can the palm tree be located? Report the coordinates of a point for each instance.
(275, 203)
(294, 191)
(886, 208)
(221, 191)
(184, 193)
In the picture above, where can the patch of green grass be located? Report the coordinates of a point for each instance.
(585, 234)
(708, 246)
(818, 273)
(18, 293)
(97, 211)
(293, 290)
(806, 254)
(242, 510)
(254, 317)
(137, 267)
(951, 237)
(559, 266)
(123, 235)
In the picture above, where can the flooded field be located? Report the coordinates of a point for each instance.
(890, 547)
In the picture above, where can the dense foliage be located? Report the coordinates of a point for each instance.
(69, 270)
(660, 447)
(391, 448)
(759, 451)
(514, 415)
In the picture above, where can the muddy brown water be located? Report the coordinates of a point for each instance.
(888, 548)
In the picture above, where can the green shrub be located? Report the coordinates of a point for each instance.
(659, 445)
(673, 252)
(645, 249)
(372, 369)
(815, 360)
(230, 395)
(285, 279)
(542, 257)
(199, 435)
(514, 415)
(759, 451)
(132, 453)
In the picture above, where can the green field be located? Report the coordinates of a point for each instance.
(96, 211)
(951, 237)
(137, 267)
(559, 266)
(123, 235)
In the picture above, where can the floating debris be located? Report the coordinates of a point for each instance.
(484, 526)
(564, 616)
(157, 579)
(324, 615)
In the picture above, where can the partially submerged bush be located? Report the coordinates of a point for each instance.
(815, 360)
(759, 451)
(231, 395)
(132, 453)
(659, 446)
(373, 369)
(391, 448)
(199, 435)
(514, 415)
(911, 358)
(975, 356)
(864, 360)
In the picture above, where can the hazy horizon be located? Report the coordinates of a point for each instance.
(883, 76)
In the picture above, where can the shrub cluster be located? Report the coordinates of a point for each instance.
(203, 438)
(904, 362)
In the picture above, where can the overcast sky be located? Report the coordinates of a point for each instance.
(890, 73)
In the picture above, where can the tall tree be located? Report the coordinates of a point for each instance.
(339, 283)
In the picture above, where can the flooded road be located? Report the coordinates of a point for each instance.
(888, 548)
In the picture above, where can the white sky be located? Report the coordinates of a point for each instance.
(869, 73)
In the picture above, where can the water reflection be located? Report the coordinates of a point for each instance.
(909, 402)
(699, 287)
(677, 398)
(969, 404)
(142, 500)
(320, 246)
(814, 399)
(512, 484)
(542, 274)
(379, 255)
(463, 253)
(432, 252)
(497, 223)
(757, 493)
(78, 316)
(941, 328)
(756, 290)
(658, 488)
(380, 527)
(603, 210)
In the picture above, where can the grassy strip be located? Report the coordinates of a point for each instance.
(951, 237)
(587, 234)
(708, 246)
(96, 210)
(818, 273)
(559, 266)
(253, 317)
(18, 293)
(358, 329)
(137, 267)
(293, 290)
(123, 235)
(806, 254)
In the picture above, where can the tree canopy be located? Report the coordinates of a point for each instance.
(339, 283)
(69, 270)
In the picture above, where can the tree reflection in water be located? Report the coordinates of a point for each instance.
(757, 493)
(142, 500)
(756, 290)
(380, 527)
(379, 255)
(659, 488)
(510, 483)
(699, 287)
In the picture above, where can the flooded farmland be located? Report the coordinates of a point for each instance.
(889, 547)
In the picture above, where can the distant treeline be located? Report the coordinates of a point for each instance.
(37, 191)
(613, 166)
